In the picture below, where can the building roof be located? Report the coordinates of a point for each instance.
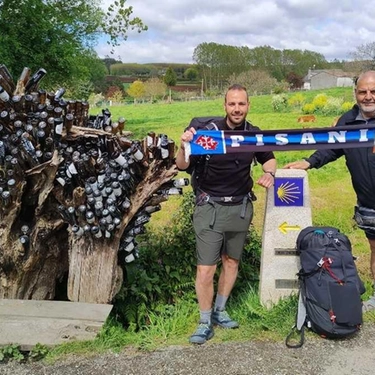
(334, 72)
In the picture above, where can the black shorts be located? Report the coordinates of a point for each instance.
(227, 234)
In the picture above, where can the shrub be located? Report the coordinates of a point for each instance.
(296, 100)
(164, 270)
(320, 101)
(95, 100)
(308, 108)
(346, 106)
(279, 102)
(332, 107)
(281, 87)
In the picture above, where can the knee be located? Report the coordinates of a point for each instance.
(230, 263)
(205, 274)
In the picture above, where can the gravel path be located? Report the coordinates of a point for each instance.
(355, 356)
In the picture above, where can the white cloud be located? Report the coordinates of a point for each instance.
(176, 27)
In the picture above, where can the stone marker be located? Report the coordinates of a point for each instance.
(287, 212)
(28, 322)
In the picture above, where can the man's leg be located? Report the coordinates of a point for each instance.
(204, 287)
(370, 304)
(228, 275)
(226, 282)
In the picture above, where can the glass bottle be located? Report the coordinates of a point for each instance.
(33, 82)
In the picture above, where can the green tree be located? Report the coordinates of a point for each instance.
(108, 61)
(170, 79)
(136, 90)
(59, 35)
(217, 62)
(191, 74)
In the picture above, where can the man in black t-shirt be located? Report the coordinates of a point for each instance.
(223, 214)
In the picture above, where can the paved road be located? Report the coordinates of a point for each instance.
(355, 356)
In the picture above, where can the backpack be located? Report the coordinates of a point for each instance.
(329, 286)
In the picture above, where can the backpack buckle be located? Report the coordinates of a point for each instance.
(320, 263)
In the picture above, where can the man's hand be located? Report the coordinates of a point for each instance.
(187, 136)
(182, 162)
(302, 164)
(266, 180)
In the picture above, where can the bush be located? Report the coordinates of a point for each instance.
(249, 268)
(320, 101)
(346, 106)
(308, 108)
(327, 106)
(279, 102)
(280, 87)
(332, 107)
(297, 100)
(164, 271)
(95, 100)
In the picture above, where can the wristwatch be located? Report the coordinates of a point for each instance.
(271, 173)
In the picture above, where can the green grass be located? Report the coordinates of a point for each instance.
(173, 324)
(174, 117)
(332, 201)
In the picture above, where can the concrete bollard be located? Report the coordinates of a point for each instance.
(287, 212)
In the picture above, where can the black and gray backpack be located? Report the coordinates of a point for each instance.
(329, 286)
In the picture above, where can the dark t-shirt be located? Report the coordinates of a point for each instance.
(360, 161)
(229, 174)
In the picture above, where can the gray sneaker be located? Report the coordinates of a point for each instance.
(203, 333)
(222, 319)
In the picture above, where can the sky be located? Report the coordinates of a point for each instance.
(334, 28)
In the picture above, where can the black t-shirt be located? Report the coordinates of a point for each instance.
(229, 174)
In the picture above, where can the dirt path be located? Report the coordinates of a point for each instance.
(317, 357)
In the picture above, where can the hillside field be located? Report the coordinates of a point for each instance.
(332, 196)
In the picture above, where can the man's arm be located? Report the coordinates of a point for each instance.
(316, 160)
(269, 169)
(300, 164)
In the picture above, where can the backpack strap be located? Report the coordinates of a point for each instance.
(201, 168)
(299, 328)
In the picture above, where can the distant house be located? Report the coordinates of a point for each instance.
(328, 78)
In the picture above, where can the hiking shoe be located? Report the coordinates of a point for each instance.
(203, 333)
(369, 305)
(222, 319)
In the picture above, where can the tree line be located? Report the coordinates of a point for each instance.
(60, 36)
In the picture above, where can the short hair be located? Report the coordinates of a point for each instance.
(237, 87)
(363, 74)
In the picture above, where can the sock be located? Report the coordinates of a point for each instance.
(205, 316)
(220, 302)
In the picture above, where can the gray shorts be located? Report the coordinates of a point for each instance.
(365, 219)
(227, 234)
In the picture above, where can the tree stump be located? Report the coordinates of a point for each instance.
(75, 191)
